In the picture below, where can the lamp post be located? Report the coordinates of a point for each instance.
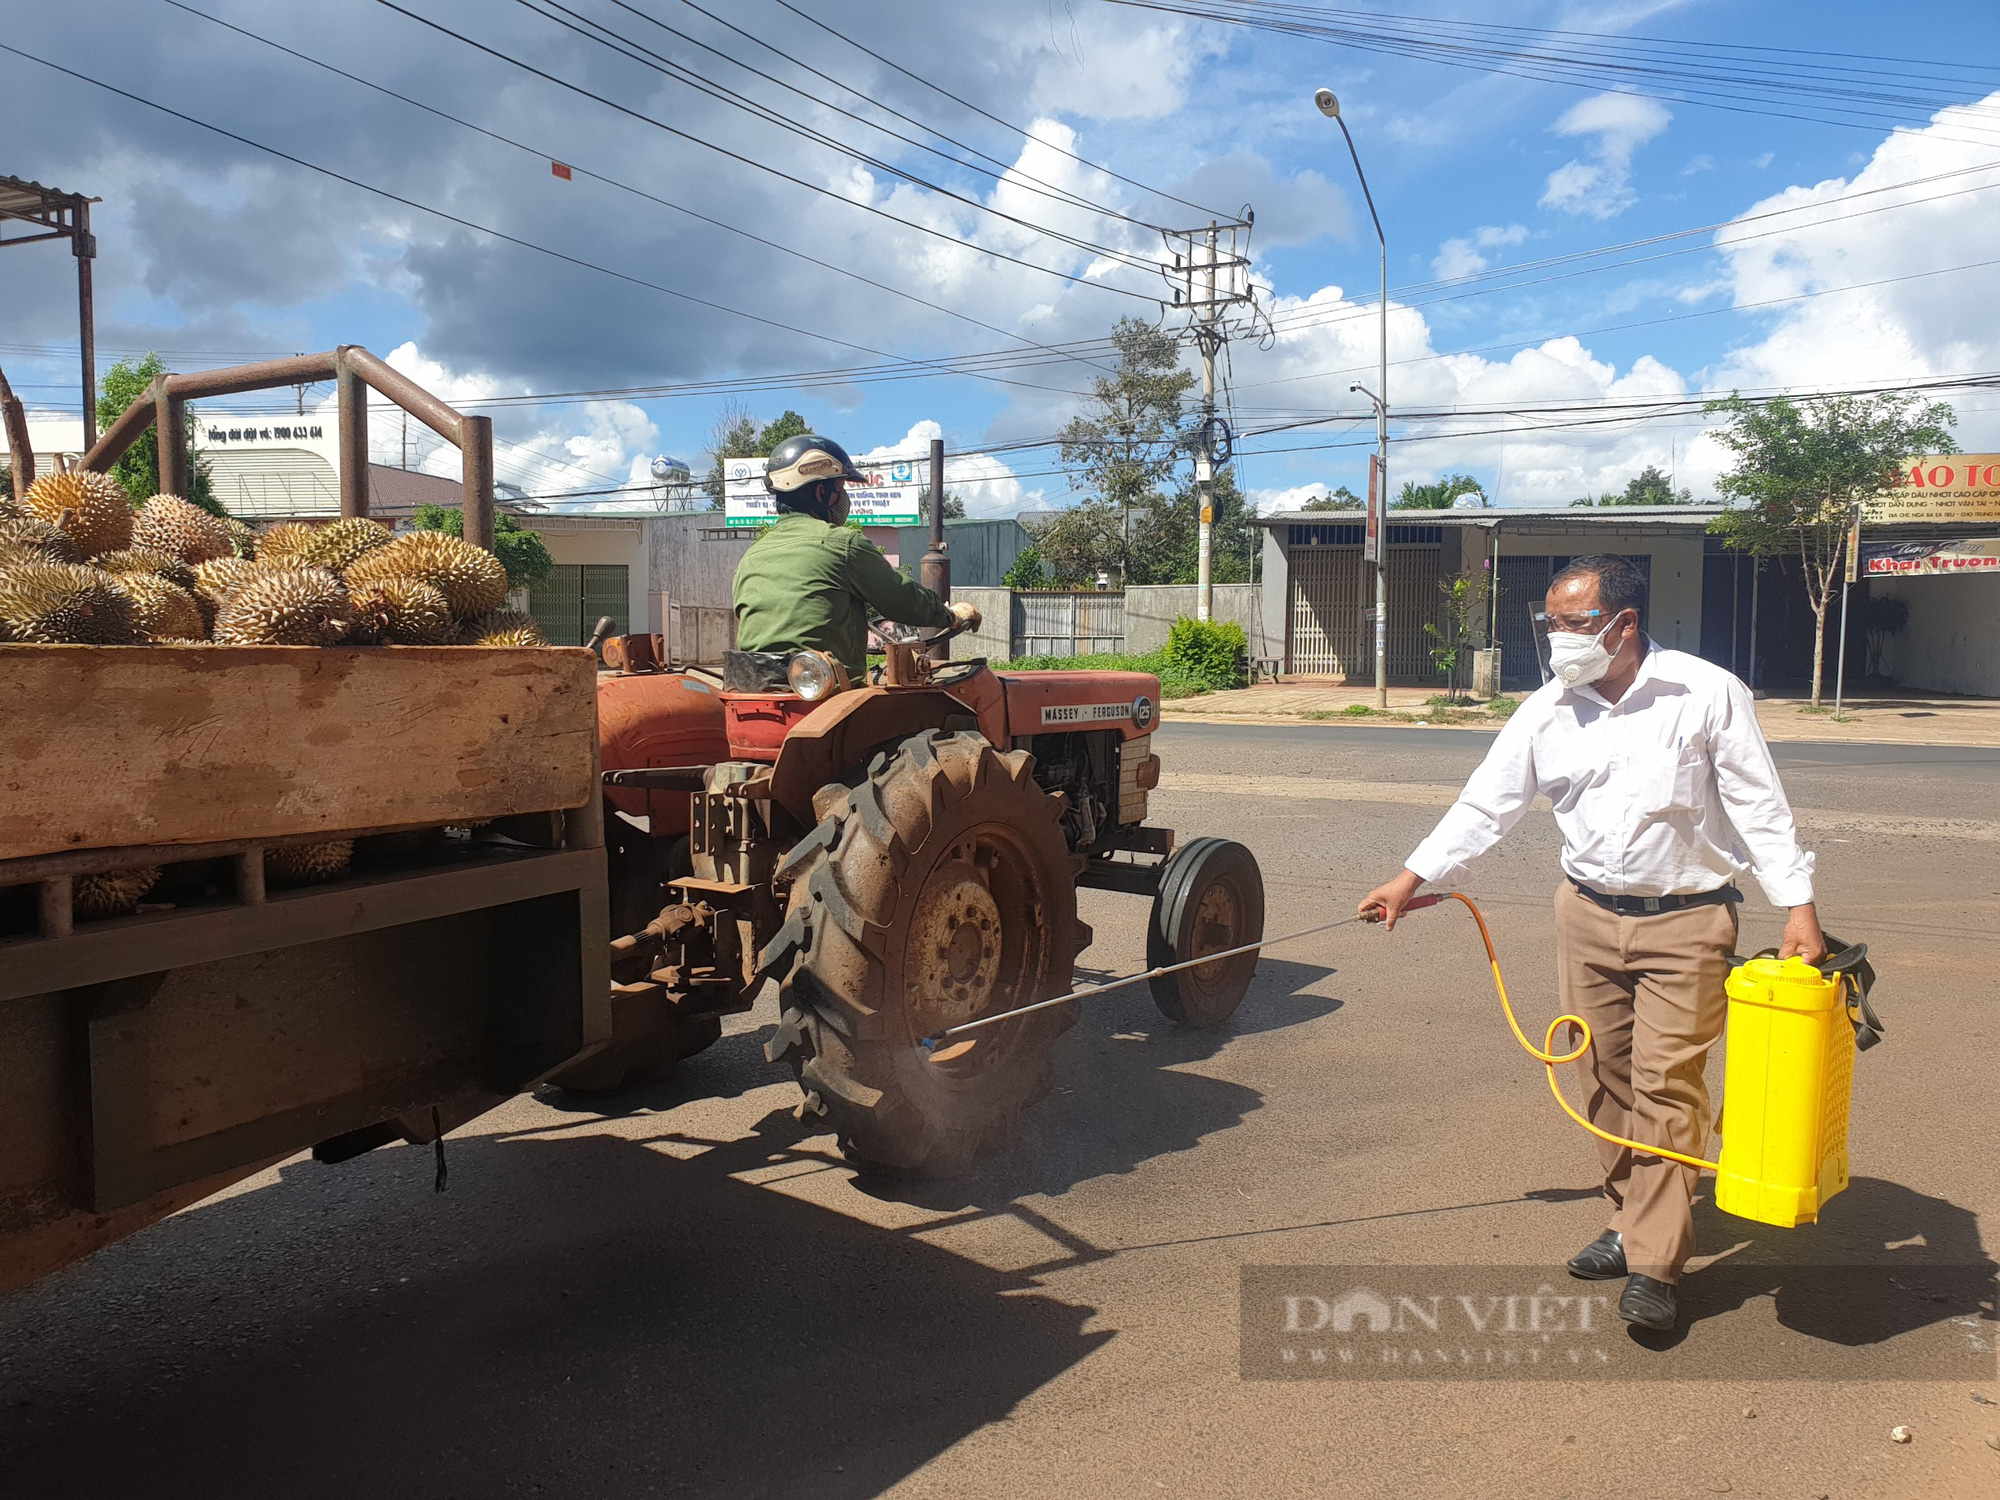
(1329, 106)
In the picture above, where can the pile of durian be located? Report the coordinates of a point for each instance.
(79, 566)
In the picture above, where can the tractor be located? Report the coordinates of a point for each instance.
(902, 856)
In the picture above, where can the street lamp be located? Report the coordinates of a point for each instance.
(1329, 106)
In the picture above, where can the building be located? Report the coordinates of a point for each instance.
(1318, 596)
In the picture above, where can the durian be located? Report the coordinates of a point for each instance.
(102, 519)
(36, 541)
(241, 537)
(504, 628)
(334, 547)
(283, 543)
(162, 611)
(167, 523)
(146, 560)
(58, 603)
(302, 864)
(401, 612)
(112, 894)
(470, 578)
(283, 607)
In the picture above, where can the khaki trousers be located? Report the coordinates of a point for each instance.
(1651, 989)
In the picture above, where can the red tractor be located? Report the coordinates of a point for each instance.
(903, 857)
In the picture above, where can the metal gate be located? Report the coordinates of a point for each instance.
(568, 603)
(1084, 622)
(1330, 633)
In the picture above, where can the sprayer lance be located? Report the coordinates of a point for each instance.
(1207, 958)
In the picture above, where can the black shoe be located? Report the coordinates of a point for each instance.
(1603, 1259)
(1648, 1303)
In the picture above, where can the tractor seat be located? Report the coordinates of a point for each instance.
(756, 671)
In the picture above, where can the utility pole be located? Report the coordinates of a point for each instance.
(1209, 280)
(934, 570)
(1204, 460)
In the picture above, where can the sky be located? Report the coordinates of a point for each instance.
(771, 212)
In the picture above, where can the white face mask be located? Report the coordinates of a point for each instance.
(1578, 659)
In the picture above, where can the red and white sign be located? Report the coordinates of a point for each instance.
(1931, 559)
(1371, 546)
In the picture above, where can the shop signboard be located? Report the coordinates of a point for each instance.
(1931, 559)
(1943, 489)
(888, 495)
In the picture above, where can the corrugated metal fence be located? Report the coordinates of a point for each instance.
(1061, 622)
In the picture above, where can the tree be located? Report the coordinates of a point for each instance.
(1801, 469)
(1166, 537)
(1025, 572)
(1078, 544)
(1648, 487)
(1340, 499)
(1133, 432)
(954, 508)
(521, 552)
(1437, 495)
(738, 434)
(1463, 600)
(138, 467)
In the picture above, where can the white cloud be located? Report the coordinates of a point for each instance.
(1601, 186)
(986, 485)
(1461, 257)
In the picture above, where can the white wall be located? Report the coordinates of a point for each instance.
(1950, 644)
(1674, 599)
(1151, 609)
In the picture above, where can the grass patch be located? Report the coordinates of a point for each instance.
(1356, 711)
(1820, 712)
(1502, 707)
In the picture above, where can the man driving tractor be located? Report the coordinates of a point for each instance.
(809, 582)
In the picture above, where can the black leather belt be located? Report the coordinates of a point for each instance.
(1653, 906)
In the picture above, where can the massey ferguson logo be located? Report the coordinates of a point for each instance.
(1067, 715)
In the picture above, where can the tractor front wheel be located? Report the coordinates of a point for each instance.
(935, 891)
(1210, 899)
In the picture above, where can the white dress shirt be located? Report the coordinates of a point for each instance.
(1667, 792)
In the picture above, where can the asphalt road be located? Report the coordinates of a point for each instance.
(690, 1295)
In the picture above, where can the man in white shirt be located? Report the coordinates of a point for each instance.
(1665, 792)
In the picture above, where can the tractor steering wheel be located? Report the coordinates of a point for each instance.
(891, 634)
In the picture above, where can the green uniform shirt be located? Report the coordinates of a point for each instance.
(808, 586)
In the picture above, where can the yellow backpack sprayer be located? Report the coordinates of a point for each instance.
(1793, 1030)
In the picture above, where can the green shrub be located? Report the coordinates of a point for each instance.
(1211, 650)
(1501, 706)
(1357, 710)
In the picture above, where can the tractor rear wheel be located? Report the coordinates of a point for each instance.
(935, 891)
(1210, 899)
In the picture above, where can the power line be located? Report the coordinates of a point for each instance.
(614, 182)
(1021, 131)
(765, 167)
(939, 366)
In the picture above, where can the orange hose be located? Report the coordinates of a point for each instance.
(1550, 1057)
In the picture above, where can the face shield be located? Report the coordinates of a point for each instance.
(1573, 646)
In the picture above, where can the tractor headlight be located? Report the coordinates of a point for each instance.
(814, 675)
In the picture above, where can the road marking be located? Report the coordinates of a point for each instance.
(1812, 820)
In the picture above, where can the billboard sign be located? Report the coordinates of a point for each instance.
(1371, 548)
(1946, 488)
(888, 495)
(1931, 559)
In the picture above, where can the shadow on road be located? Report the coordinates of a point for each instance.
(646, 1325)
(1882, 1261)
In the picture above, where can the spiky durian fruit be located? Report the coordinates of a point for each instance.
(63, 603)
(167, 523)
(302, 864)
(284, 543)
(241, 537)
(504, 628)
(146, 560)
(214, 580)
(102, 519)
(283, 607)
(470, 578)
(36, 541)
(112, 894)
(401, 612)
(162, 611)
(335, 546)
